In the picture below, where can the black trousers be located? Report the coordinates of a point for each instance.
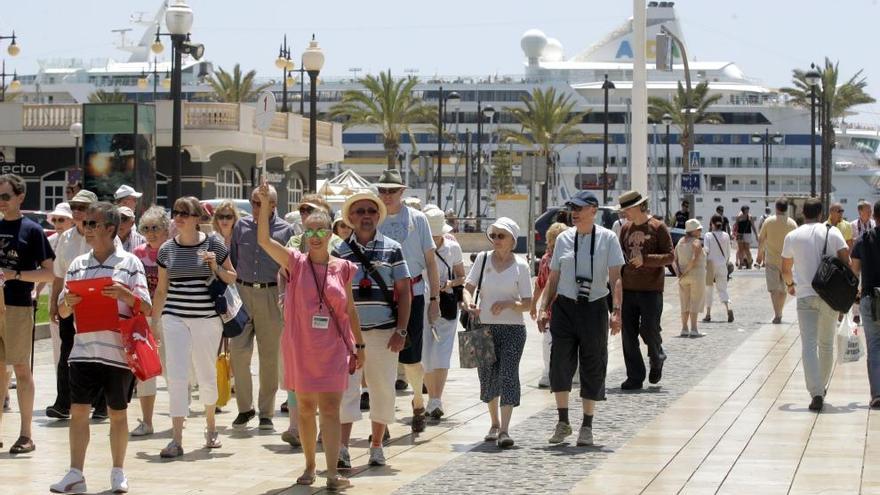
(580, 336)
(67, 331)
(640, 315)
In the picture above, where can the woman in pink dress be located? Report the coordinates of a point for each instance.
(322, 341)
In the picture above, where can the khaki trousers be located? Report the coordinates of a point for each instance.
(265, 326)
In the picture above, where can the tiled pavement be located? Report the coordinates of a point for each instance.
(721, 421)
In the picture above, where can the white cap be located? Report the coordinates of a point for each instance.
(125, 191)
(62, 210)
(126, 212)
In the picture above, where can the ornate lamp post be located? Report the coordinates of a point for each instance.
(766, 141)
(607, 87)
(312, 62)
(284, 63)
(443, 103)
(667, 121)
(13, 49)
(812, 78)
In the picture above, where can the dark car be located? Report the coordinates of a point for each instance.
(42, 218)
(606, 216)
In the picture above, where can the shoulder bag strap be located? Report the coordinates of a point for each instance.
(827, 233)
(480, 283)
(448, 268)
(370, 270)
(727, 257)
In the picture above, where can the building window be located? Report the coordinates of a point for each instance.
(52, 189)
(162, 190)
(229, 184)
(294, 193)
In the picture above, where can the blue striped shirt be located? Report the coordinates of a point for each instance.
(387, 256)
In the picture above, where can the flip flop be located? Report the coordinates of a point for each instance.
(23, 445)
(306, 479)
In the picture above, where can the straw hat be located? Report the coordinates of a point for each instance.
(370, 196)
(692, 225)
(630, 199)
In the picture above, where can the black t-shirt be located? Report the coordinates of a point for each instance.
(681, 219)
(867, 251)
(23, 247)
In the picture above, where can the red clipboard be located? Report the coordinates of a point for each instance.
(95, 312)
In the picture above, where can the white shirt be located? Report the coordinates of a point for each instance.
(450, 251)
(804, 245)
(69, 245)
(858, 228)
(607, 254)
(718, 255)
(513, 284)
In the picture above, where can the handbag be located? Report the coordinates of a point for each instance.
(475, 344)
(730, 266)
(141, 350)
(224, 373)
(834, 281)
(227, 303)
(448, 300)
(849, 346)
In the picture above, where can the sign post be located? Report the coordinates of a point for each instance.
(263, 121)
(690, 183)
(694, 161)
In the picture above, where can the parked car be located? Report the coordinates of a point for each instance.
(606, 216)
(42, 218)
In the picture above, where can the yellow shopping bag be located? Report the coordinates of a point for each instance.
(224, 374)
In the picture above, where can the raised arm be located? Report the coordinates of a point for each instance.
(279, 253)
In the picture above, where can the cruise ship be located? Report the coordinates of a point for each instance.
(731, 166)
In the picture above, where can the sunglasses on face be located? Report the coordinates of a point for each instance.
(228, 216)
(255, 204)
(389, 190)
(147, 229)
(58, 220)
(78, 207)
(498, 236)
(319, 233)
(92, 224)
(365, 211)
(306, 209)
(7, 196)
(181, 214)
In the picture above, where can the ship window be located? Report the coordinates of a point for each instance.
(717, 160)
(717, 183)
(717, 200)
(735, 182)
(229, 184)
(753, 182)
(734, 200)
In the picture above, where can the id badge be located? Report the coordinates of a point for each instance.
(320, 322)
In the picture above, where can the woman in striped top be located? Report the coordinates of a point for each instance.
(191, 327)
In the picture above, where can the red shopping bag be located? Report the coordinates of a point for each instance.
(140, 346)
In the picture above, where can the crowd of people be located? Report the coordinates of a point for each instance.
(343, 305)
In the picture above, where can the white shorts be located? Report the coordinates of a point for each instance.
(437, 352)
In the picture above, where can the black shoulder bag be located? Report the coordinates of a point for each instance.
(834, 281)
(449, 300)
(465, 318)
(370, 270)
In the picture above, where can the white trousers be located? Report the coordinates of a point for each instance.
(720, 285)
(380, 371)
(191, 341)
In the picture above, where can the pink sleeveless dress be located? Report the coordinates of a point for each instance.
(316, 360)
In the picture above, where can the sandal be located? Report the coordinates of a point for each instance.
(338, 482)
(307, 479)
(23, 445)
(492, 435)
(212, 439)
(172, 450)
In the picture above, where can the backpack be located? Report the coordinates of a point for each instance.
(834, 281)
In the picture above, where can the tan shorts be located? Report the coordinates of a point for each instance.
(16, 332)
(773, 274)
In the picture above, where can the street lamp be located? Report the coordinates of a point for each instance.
(812, 78)
(284, 63)
(486, 112)
(667, 121)
(312, 62)
(443, 103)
(767, 143)
(143, 82)
(13, 49)
(607, 87)
(76, 131)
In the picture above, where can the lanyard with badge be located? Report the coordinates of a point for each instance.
(584, 284)
(320, 321)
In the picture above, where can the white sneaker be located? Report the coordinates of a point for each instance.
(118, 481)
(142, 430)
(72, 482)
(377, 456)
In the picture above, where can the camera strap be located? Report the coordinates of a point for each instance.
(577, 241)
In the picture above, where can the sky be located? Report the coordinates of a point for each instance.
(766, 38)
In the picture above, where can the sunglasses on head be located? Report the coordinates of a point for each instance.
(389, 190)
(497, 235)
(365, 211)
(93, 224)
(226, 216)
(150, 228)
(182, 214)
(319, 233)
(306, 209)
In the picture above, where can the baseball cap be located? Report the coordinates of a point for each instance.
(125, 191)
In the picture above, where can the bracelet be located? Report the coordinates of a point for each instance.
(360, 346)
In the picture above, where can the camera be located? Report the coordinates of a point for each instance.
(585, 286)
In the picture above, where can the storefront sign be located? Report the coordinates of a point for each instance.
(18, 169)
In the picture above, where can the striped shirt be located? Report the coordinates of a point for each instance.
(387, 256)
(134, 240)
(188, 295)
(105, 346)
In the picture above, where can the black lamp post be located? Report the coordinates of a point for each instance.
(312, 62)
(12, 50)
(812, 78)
(178, 19)
(767, 153)
(142, 82)
(443, 103)
(284, 63)
(467, 174)
(607, 87)
(667, 121)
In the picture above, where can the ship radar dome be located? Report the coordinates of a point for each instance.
(532, 43)
(553, 51)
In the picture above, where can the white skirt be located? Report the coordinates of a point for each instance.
(437, 351)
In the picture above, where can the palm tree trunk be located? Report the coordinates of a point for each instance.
(544, 186)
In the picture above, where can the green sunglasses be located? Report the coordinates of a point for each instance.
(319, 233)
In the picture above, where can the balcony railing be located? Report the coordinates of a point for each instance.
(278, 128)
(50, 117)
(208, 116)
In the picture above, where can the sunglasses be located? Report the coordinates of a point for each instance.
(183, 214)
(365, 211)
(229, 216)
(79, 207)
(255, 204)
(389, 190)
(7, 196)
(319, 233)
(147, 229)
(499, 236)
(306, 209)
(93, 224)
(58, 220)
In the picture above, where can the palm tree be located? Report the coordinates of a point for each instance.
(835, 101)
(101, 96)
(548, 123)
(233, 87)
(388, 103)
(699, 103)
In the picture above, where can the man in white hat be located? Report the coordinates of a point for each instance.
(128, 235)
(647, 247)
(127, 196)
(410, 228)
(382, 274)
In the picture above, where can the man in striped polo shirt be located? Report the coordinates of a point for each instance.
(381, 282)
(97, 361)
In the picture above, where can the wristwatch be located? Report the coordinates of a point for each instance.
(402, 332)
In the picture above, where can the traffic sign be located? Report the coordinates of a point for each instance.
(694, 161)
(265, 111)
(690, 184)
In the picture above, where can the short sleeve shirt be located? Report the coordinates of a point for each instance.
(773, 231)
(512, 284)
(450, 251)
(148, 257)
(411, 230)
(607, 254)
(23, 247)
(845, 229)
(804, 245)
(867, 251)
